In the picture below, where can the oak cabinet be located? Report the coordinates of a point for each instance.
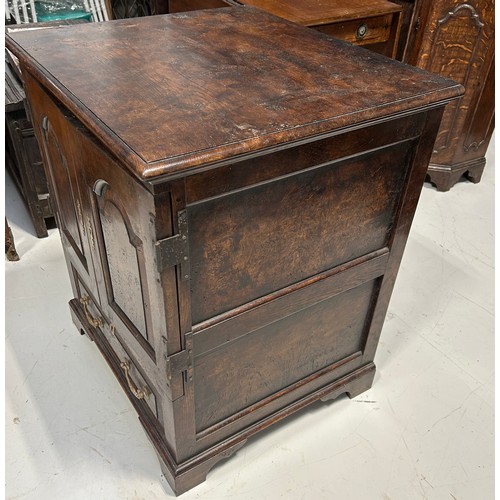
(233, 211)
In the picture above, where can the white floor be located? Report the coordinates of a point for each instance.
(424, 431)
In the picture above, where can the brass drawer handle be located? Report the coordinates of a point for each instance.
(95, 322)
(138, 393)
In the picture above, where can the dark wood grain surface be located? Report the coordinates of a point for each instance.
(218, 84)
(372, 23)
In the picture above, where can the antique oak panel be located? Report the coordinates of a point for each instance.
(234, 210)
(58, 145)
(277, 355)
(229, 269)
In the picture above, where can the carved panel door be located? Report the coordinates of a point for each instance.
(123, 214)
(58, 143)
(121, 241)
(456, 39)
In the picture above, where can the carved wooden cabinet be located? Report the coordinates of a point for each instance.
(233, 210)
(456, 39)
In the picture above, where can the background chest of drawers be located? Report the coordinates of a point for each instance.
(373, 24)
(232, 220)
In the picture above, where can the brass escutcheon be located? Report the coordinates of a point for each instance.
(361, 31)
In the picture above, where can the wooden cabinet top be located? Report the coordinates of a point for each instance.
(168, 94)
(316, 12)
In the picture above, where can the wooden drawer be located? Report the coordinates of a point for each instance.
(137, 386)
(372, 23)
(360, 31)
(123, 364)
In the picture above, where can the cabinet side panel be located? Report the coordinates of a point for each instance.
(247, 370)
(255, 241)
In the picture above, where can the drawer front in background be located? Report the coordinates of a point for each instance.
(360, 32)
(186, 5)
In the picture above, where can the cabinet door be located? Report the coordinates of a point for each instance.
(456, 40)
(58, 144)
(122, 214)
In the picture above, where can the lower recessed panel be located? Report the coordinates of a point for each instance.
(242, 372)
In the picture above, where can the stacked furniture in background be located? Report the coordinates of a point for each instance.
(22, 155)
